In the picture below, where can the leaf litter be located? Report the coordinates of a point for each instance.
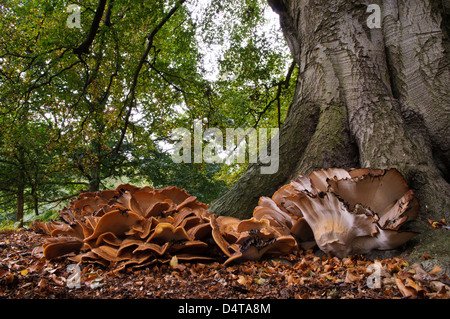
(25, 273)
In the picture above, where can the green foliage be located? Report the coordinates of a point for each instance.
(197, 179)
(74, 121)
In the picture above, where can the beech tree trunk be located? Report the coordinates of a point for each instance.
(365, 97)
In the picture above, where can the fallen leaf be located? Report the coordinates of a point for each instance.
(60, 281)
(440, 224)
(43, 283)
(242, 280)
(411, 283)
(439, 286)
(96, 283)
(351, 277)
(213, 288)
(405, 291)
(305, 296)
(435, 270)
(38, 252)
(9, 279)
(36, 266)
(444, 292)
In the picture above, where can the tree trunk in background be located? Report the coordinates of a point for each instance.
(20, 204)
(94, 180)
(94, 175)
(364, 98)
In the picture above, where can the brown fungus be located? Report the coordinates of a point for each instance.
(357, 211)
(342, 211)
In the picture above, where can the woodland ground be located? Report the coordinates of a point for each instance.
(24, 273)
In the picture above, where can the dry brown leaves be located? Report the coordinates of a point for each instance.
(24, 273)
(438, 224)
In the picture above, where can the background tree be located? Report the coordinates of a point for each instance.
(92, 88)
(87, 108)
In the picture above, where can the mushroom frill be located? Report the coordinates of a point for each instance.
(352, 211)
(342, 212)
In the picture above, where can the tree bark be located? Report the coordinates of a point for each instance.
(35, 197)
(20, 203)
(20, 187)
(418, 55)
(84, 47)
(364, 98)
(94, 181)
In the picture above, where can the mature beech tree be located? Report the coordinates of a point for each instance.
(365, 97)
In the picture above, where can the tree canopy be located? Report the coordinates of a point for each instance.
(84, 107)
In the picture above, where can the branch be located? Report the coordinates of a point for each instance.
(108, 13)
(164, 21)
(289, 74)
(277, 97)
(162, 74)
(36, 84)
(129, 101)
(84, 47)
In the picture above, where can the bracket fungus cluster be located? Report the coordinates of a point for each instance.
(138, 226)
(250, 239)
(352, 211)
(343, 212)
(130, 225)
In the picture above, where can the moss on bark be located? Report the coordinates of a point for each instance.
(331, 145)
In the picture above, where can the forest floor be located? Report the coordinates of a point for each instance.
(25, 273)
